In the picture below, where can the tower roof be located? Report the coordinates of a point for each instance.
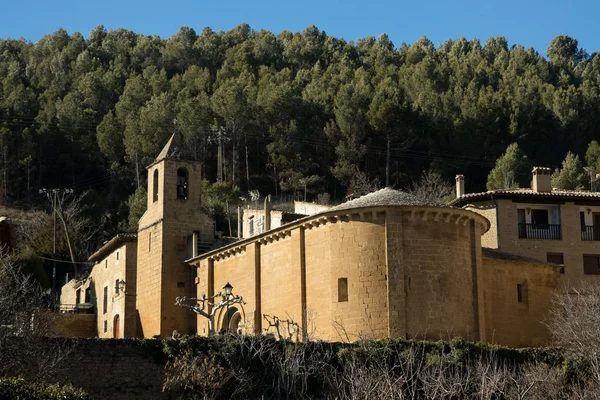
(171, 148)
(174, 150)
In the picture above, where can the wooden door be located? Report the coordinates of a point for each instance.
(117, 327)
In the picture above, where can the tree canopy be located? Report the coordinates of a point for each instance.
(512, 170)
(285, 109)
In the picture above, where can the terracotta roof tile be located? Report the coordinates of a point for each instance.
(112, 244)
(555, 193)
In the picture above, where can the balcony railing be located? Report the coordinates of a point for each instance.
(539, 231)
(590, 232)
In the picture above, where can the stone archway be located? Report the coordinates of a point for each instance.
(235, 322)
(231, 321)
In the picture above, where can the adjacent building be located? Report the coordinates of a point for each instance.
(108, 292)
(557, 226)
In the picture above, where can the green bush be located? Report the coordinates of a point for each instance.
(19, 389)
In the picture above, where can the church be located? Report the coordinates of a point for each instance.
(385, 265)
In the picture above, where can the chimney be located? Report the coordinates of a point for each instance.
(541, 179)
(267, 211)
(460, 186)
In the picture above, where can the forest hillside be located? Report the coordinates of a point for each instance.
(291, 111)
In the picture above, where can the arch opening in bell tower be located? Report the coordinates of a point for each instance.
(182, 183)
(155, 186)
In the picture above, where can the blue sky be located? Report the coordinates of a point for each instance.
(527, 22)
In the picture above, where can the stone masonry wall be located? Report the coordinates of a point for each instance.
(433, 263)
(237, 269)
(113, 369)
(440, 277)
(354, 249)
(511, 322)
(105, 274)
(488, 210)
(162, 274)
(66, 324)
(278, 277)
(149, 281)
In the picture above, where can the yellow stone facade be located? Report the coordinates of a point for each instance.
(405, 272)
(515, 321)
(164, 242)
(113, 307)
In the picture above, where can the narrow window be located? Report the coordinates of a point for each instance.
(117, 255)
(149, 241)
(155, 186)
(342, 290)
(190, 246)
(556, 258)
(251, 226)
(105, 301)
(261, 224)
(106, 263)
(116, 286)
(519, 293)
(591, 264)
(88, 296)
(78, 296)
(182, 183)
(105, 326)
(582, 220)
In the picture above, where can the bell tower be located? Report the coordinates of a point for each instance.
(168, 234)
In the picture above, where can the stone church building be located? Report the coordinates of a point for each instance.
(382, 265)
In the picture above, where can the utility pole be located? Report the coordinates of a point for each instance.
(52, 195)
(590, 170)
(220, 136)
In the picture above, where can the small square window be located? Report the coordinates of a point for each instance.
(591, 264)
(556, 258)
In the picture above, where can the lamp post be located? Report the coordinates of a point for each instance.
(227, 289)
(200, 304)
(122, 286)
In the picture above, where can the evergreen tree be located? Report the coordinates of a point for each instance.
(511, 171)
(571, 176)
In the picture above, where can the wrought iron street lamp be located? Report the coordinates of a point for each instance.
(200, 304)
(227, 289)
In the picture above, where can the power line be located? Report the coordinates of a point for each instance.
(66, 262)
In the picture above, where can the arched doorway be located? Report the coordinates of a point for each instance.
(117, 327)
(235, 322)
(231, 321)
